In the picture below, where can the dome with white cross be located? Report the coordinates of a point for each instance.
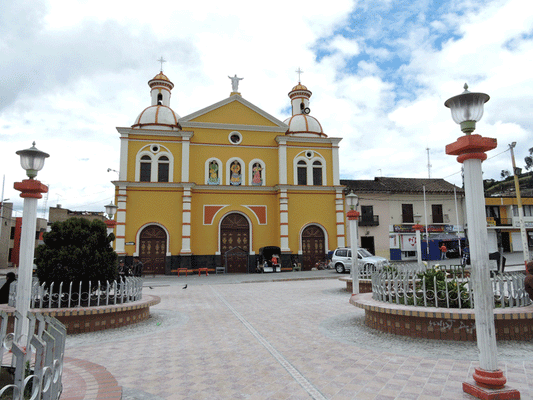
(301, 123)
(159, 115)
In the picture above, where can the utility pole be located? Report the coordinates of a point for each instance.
(429, 164)
(523, 233)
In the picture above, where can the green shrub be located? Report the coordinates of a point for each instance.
(76, 250)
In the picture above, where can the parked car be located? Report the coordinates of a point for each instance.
(269, 259)
(342, 260)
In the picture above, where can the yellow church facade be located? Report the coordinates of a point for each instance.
(210, 189)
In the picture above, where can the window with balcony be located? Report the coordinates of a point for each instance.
(436, 212)
(407, 214)
(528, 211)
(367, 217)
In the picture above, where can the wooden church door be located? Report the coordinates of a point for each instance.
(313, 246)
(153, 248)
(235, 233)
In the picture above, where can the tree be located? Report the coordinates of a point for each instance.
(505, 174)
(76, 250)
(529, 159)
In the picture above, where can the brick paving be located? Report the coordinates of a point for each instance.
(239, 337)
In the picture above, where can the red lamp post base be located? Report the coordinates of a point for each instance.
(490, 385)
(110, 223)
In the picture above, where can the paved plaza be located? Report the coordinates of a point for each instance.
(285, 336)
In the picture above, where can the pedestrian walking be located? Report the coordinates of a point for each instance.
(4, 290)
(123, 270)
(137, 267)
(443, 251)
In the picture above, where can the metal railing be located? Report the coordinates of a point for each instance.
(446, 287)
(82, 294)
(369, 220)
(35, 359)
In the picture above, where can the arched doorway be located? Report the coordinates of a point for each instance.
(152, 249)
(313, 246)
(235, 233)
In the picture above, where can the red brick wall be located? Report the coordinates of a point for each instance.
(442, 324)
(91, 319)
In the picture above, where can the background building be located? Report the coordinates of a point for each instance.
(212, 188)
(58, 214)
(14, 238)
(503, 224)
(6, 222)
(389, 207)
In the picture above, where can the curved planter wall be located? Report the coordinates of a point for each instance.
(91, 319)
(442, 323)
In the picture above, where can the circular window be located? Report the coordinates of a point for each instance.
(235, 137)
(155, 148)
(309, 154)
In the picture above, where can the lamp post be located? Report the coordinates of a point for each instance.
(523, 234)
(32, 160)
(418, 228)
(467, 109)
(353, 216)
(110, 210)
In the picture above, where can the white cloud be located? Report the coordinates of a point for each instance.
(80, 68)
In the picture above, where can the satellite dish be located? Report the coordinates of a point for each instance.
(306, 110)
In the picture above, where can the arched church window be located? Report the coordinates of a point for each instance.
(236, 173)
(317, 173)
(146, 168)
(302, 172)
(159, 99)
(162, 169)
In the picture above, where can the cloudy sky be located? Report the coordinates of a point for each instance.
(380, 71)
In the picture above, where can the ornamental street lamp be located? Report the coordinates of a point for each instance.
(353, 215)
(32, 160)
(418, 228)
(467, 109)
(523, 233)
(110, 210)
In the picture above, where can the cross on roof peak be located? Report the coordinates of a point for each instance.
(300, 72)
(162, 60)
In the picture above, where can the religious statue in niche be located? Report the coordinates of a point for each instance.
(236, 176)
(214, 179)
(257, 179)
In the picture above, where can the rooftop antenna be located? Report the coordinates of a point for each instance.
(429, 164)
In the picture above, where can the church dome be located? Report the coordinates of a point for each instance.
(299, 86)
(157, 117)
(304, 125)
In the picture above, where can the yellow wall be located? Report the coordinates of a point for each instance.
(311, 208)
(205, 237)
(234, 113)
(163, 206)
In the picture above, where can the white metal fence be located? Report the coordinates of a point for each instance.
(34, 359)
(82, 294)
(410, 287)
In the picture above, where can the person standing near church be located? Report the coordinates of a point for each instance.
(137, 267)
(443, 251)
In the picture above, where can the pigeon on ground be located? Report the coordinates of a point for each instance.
(184, 287)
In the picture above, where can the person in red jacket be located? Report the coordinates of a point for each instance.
(443, 251)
